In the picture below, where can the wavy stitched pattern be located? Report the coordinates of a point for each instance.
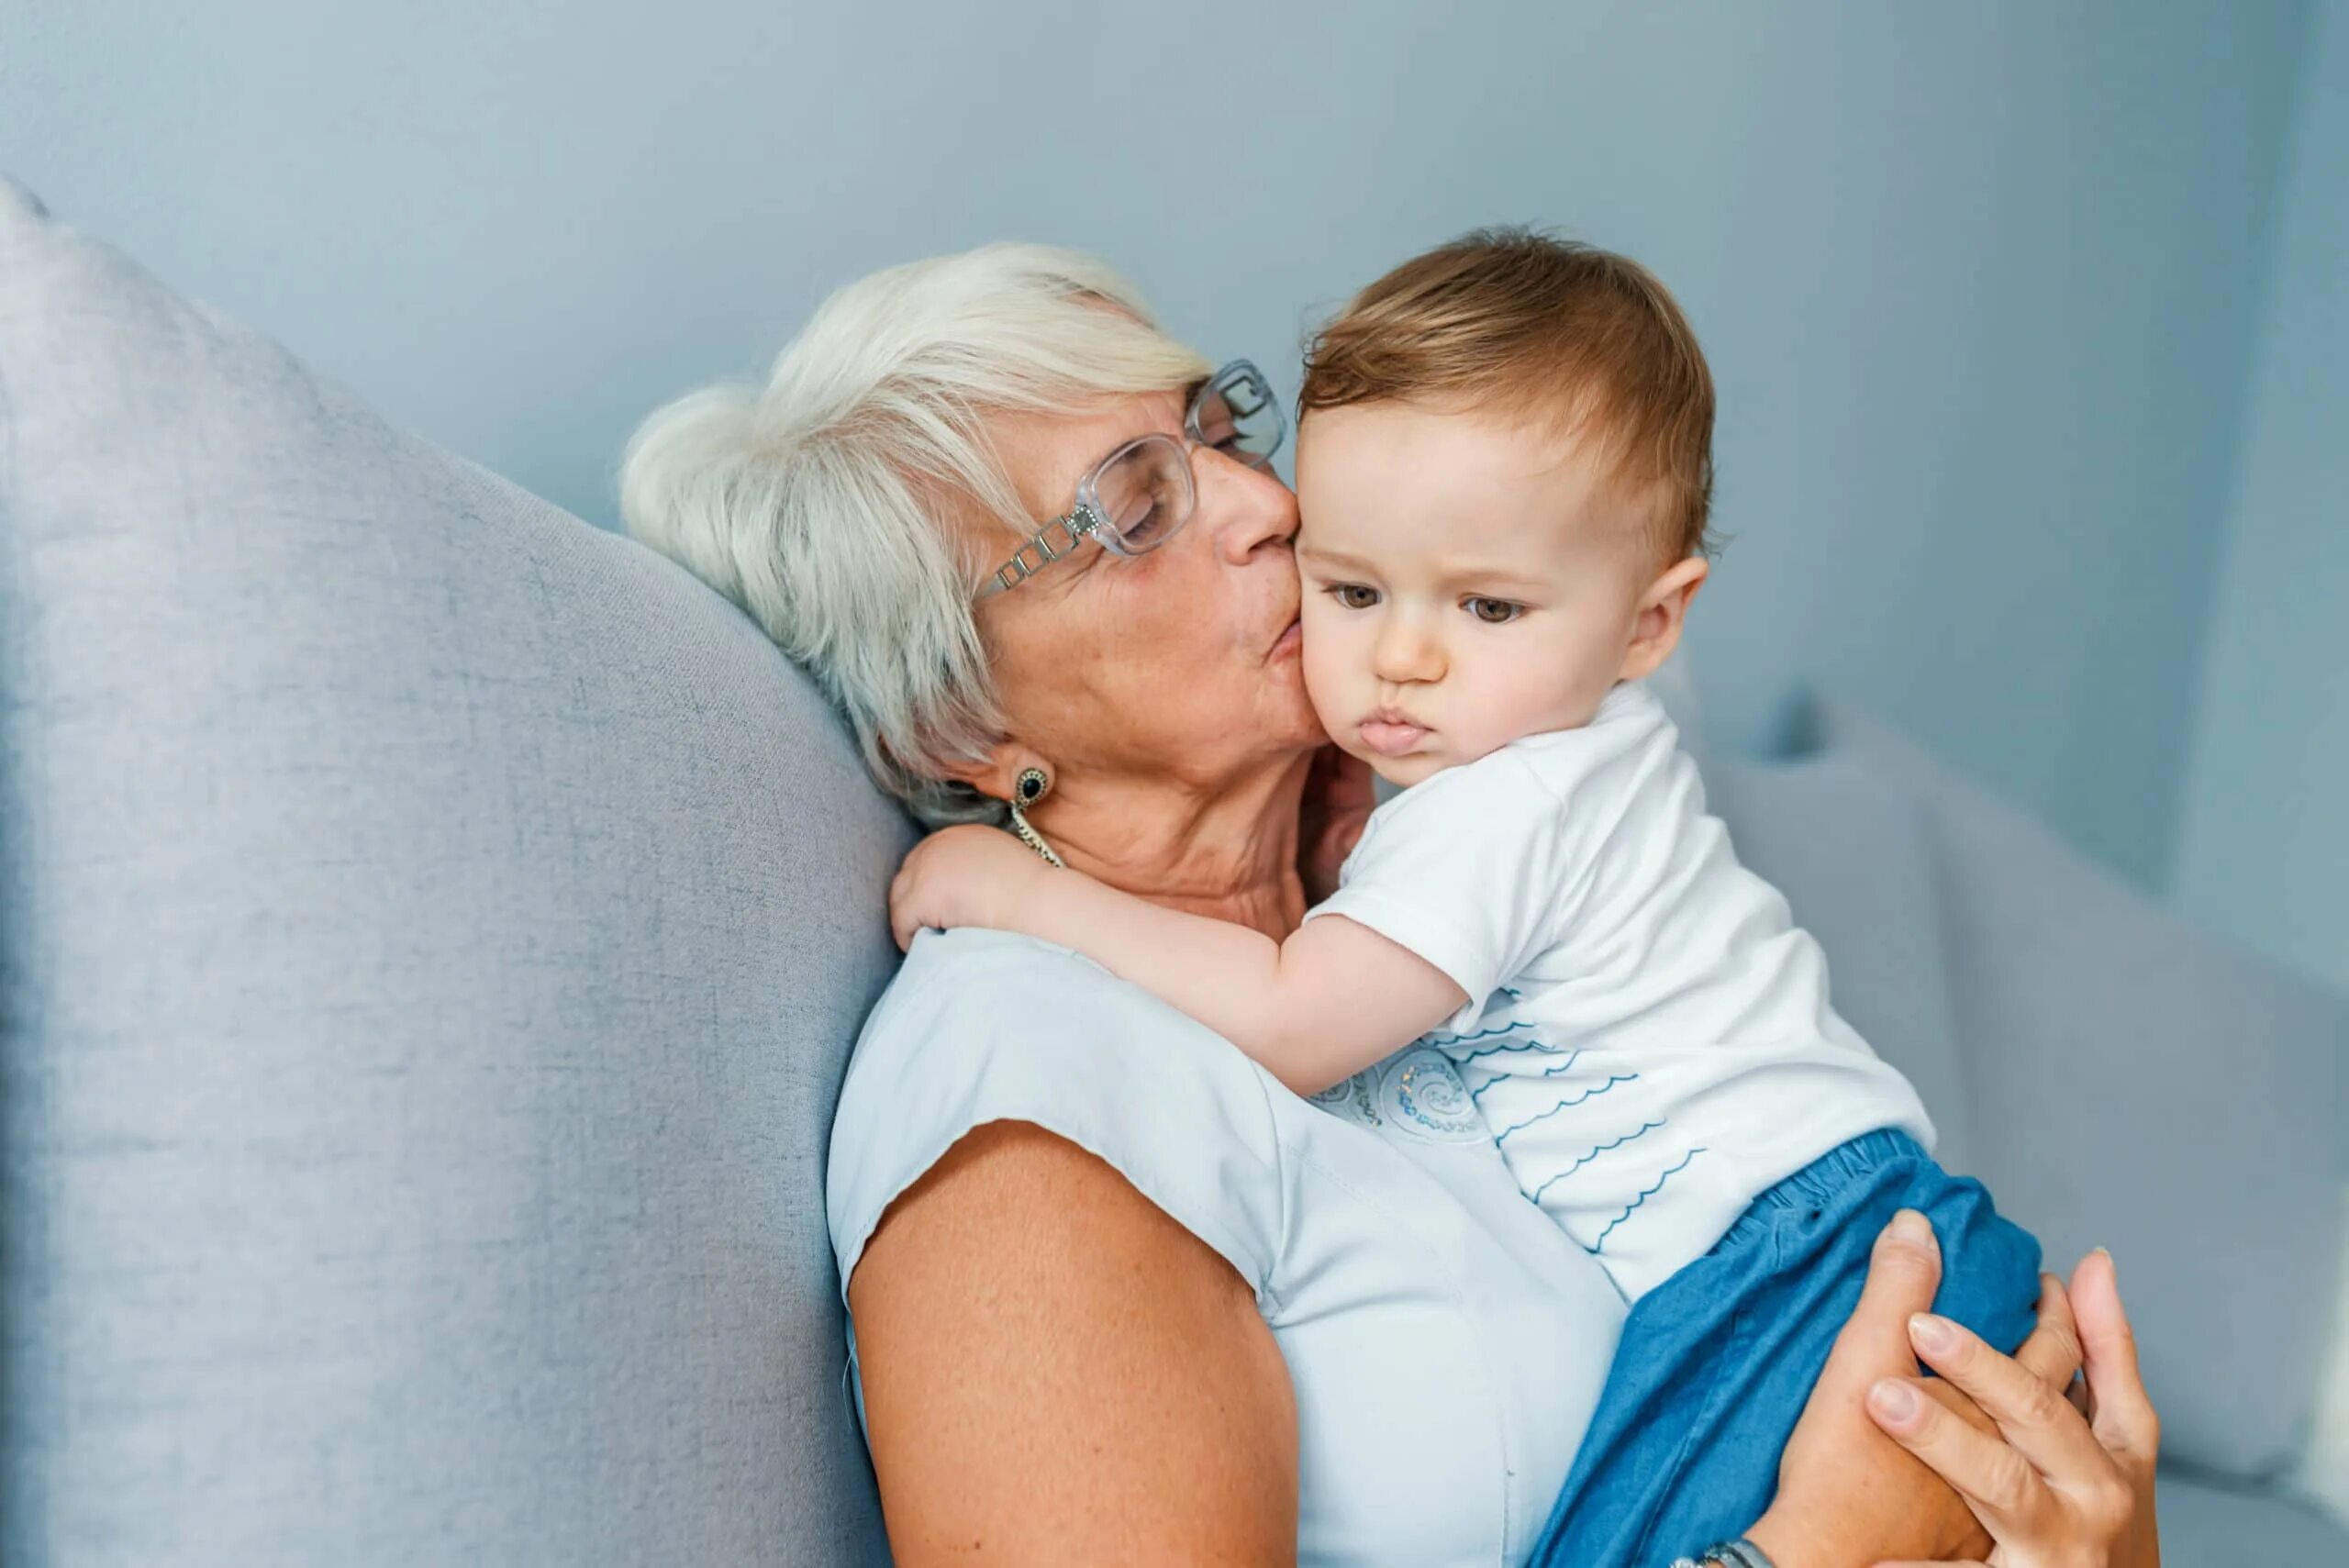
(1447, 1042)
(1642, 1132)
(1569, 1104)
(1595, 1247)
(1477, 1093)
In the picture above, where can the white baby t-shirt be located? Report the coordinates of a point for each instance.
(1647, 1033)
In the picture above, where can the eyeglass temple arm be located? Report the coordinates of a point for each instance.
(1019, 569)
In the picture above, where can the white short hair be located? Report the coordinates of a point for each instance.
(836, 503)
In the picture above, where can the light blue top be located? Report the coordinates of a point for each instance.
(1446, 1341)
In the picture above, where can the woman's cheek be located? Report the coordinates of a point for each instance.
(1325, 660)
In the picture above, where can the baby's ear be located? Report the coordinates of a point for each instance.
(1664, 610)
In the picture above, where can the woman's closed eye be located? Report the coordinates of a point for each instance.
(1142, 525)
(1352, 595)
(1222, 435)
(1493, 612)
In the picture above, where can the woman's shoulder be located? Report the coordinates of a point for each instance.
(983, 1026)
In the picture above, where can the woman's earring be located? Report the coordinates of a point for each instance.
(1033, 785)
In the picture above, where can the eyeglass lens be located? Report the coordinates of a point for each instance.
(1145, 493)
(1238, 416)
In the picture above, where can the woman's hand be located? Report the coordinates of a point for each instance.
(1848, 1496)
(1340, 795)
(959, 876)
(2055, 1489)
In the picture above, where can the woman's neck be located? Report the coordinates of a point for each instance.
(1229, 853)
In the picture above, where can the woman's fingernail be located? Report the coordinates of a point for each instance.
(1932, 1335)
(1893, 1400)
(2110, 1264)
(1910, 1225)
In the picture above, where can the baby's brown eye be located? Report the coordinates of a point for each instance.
(1353, 595)
(1495, 612)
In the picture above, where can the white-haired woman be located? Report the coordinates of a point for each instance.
(1115, 1295)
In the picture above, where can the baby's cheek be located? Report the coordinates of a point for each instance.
(1490, 713)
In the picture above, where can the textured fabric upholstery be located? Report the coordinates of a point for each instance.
(433, 930)
(2135, 1085)
(1852, 853)
(2207, 1525)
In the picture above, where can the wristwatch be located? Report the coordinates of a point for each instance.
(1738, 1554)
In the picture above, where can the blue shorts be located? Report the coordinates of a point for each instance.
(1716, 1362)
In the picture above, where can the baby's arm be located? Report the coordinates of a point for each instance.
(1333, 998)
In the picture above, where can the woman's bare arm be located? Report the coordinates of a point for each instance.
(1056, 1372)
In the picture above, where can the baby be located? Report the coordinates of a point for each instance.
(1504, 471)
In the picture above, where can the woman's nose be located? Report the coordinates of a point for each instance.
(1405, 653)
(1251, 508)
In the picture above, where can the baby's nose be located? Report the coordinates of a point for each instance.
(1406, 653)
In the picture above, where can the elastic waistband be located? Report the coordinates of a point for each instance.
(1839, 1166)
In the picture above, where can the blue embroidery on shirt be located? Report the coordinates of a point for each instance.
(1564, 1105)
(1350, 1099)
(1478, 1092)
(1595, 1247)
(1422, 1086)
(1536, 1194)
(1451, 1040)
(1541, 1045)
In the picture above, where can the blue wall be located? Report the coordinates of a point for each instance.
(2264, 851)
(1978, 279)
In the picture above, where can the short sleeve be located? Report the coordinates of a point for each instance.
(983, 1026)
(1464, 869)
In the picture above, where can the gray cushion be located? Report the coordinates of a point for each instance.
(2207, 1525)
(434, 929)
(1852, 853)
(2137, 1086)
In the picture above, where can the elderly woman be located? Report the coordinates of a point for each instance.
(1115, 1295)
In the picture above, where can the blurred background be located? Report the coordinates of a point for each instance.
(2026, 317)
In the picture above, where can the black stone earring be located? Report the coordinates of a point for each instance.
(1033, 785)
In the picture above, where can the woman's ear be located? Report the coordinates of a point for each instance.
(994, 774)
(1664, 610)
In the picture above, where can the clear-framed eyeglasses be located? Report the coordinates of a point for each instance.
(1141, 495)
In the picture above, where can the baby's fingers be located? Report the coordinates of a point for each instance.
(905, 924)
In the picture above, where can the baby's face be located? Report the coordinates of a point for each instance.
(1465, 584)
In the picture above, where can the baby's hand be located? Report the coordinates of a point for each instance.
(959, 876)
